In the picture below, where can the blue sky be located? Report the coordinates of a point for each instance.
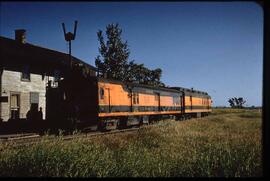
(215, 47)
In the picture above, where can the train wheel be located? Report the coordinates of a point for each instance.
(122, 124)
(141, 122)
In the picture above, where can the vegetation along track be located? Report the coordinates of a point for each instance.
(24, 139)
(28, 139)
(17, 140)
(220, 145)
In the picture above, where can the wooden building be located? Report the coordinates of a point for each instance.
(25, 72)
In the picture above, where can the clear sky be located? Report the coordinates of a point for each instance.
(215, 47)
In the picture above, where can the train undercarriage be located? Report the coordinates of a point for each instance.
(111, 123)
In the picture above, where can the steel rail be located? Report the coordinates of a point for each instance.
(33, 139)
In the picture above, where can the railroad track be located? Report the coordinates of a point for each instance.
(10, 137)
(30, 139)
(18, 140)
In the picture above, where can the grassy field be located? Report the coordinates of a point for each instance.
(226, 144)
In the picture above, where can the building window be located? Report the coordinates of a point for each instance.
(25, 73)
(101, 93)
(3, 98)
(56, 75)
(34, 97)
(15, 106)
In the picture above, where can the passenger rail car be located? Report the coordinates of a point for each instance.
(109, 104)
(132, 104)
(196, 103)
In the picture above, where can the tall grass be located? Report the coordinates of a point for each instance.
(219, 145)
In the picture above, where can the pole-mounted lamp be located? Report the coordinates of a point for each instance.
(70, 36)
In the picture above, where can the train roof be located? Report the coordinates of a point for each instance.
(169, 89)
(191, 91)
(133, 84)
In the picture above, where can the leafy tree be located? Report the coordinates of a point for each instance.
(155, 77)
(231, 102)
(113, 60)
(140, 74)
(114, 52)
(236, 102)
(241, 102)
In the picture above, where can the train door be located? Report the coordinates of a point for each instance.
(108, 98)
(182, 98)
(190, 102)
(105, 99)
(157, 102)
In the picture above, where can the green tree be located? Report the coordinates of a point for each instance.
(231, 102)
(140, 74)
(113, 61)
(114, 53)
(241, 102)
(236, 102)
(155, 76)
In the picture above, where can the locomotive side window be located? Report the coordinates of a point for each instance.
(101, 93)
(156, 97)
(135, 98)
(176, 100)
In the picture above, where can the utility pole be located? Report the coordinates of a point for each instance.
(68, 37)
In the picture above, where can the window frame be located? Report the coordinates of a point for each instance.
(101, 93)
(56, 75)
(26, 70)
(135, 98)
(32, 95)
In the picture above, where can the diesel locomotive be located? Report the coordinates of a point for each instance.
(99, 103)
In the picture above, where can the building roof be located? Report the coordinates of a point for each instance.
(13, 51)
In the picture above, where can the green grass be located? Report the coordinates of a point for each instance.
(217, 111)
(218, 145)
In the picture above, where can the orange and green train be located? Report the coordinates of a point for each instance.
(110, 104)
